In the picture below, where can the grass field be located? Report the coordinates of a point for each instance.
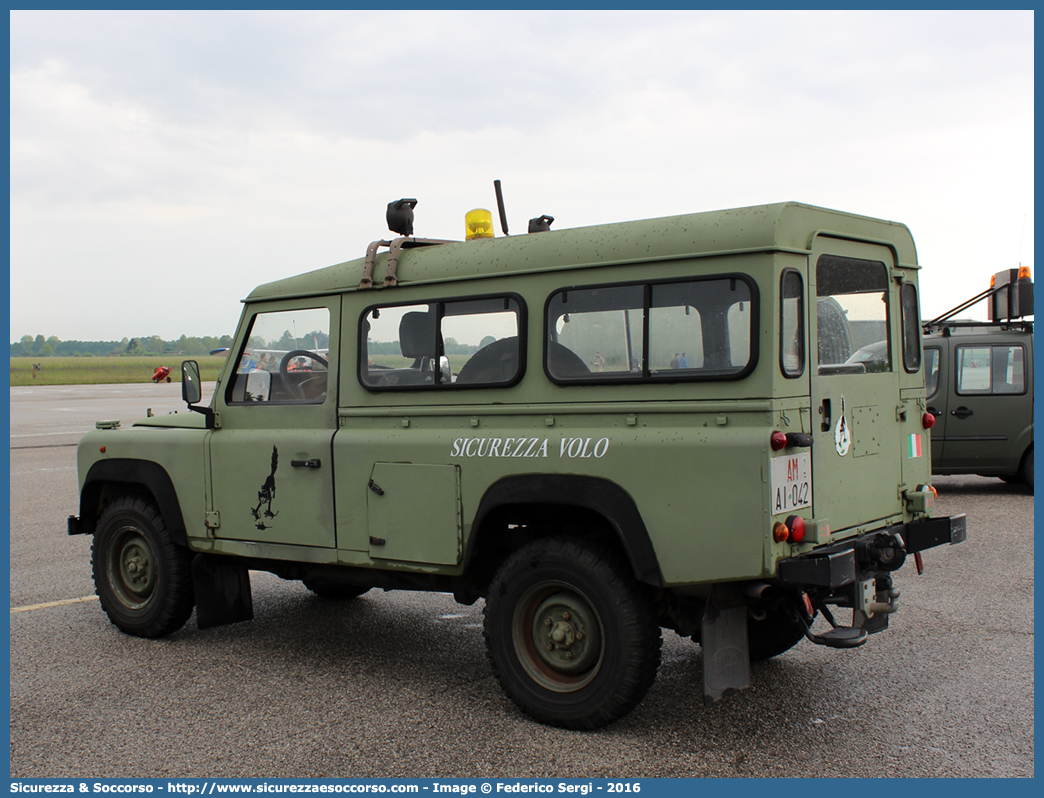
(112, 370)
(106, 370)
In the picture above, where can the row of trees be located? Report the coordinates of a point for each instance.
(39, 346)
(450, 347)
(154, 345)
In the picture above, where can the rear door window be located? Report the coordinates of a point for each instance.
(852, 316)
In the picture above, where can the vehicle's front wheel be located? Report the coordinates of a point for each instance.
(143, 578)
(570, 633)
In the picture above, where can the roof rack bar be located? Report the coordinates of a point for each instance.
(371, 261)
(394, 248)
(964, 306)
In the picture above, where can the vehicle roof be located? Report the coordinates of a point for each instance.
(982, 333)
(785, 226)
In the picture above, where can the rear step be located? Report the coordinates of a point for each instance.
(838, 637)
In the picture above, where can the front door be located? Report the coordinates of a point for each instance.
(989, 406)
(856, 458)
(271, 474)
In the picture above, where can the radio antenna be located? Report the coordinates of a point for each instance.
(1022, 238)
(500, 207)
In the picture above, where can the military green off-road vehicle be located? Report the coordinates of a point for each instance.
(599, 431)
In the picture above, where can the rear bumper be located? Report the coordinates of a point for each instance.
(839, 565)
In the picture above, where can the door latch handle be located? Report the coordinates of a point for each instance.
(376, 488)
(824, 410)
(306, 463)
(963, 412)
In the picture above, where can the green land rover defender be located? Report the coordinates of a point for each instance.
(600, 431)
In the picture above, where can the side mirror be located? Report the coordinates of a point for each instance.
(192, 391)
(191, 388)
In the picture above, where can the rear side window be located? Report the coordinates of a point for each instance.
(440, 345)
(983, 370)
(911, 327)
(668, 331)
(792, 321)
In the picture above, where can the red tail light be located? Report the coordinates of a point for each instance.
(796, 524)
(778, 440)
(793, 530)
(928, 420)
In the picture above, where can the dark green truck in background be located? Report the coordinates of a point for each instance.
(979, 384)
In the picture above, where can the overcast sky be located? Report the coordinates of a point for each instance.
(164, 163)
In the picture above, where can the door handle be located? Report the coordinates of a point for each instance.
(934, 412)
(306, 463)
(963, 412)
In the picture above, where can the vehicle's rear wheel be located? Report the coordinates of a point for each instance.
(773, 634)
(570, 633)
(143, 578)
(332, 590)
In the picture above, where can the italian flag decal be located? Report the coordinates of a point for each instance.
(914, 449)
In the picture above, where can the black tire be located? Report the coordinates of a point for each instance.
(329, 590)
(143, 578)
(772, 635)
(581, 601)
(1027, 469)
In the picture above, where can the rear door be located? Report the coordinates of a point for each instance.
(856, 455)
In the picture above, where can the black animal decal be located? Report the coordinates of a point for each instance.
(266, 495)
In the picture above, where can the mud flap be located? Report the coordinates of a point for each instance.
(222, 591)
(726, 652)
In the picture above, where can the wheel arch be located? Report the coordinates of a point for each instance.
(568, 496)
(118, 476)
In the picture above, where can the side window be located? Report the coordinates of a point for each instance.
(697, 329)
(595, 332)
(852, 315)
(991, 370)
(792, 324)
(911, 318)
(468, 342)
(931, 370)
(285, 359)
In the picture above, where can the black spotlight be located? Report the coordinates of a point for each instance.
(400, 216)
(541, 224)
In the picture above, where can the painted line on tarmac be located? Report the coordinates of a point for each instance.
(43, 446)
(49, 604)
